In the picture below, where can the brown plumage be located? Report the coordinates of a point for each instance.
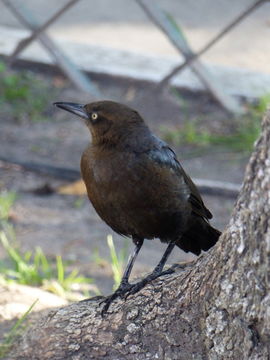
(138, 187)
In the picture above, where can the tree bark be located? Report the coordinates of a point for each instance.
(217, 307)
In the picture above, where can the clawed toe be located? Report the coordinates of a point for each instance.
(141, 284)
(136, 288)
(124, 291)
(106, 304)
(167, 272)
(119, 293)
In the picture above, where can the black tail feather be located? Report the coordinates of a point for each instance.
(201, 236)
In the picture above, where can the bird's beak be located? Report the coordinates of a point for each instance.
(76, 109)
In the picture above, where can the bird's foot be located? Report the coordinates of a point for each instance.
(119, 293)
(141, 284)
(127, 289)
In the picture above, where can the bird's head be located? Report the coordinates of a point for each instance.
(108, 121)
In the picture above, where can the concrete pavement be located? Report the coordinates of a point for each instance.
(117, 37)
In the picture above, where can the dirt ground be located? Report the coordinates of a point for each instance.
(62, 225)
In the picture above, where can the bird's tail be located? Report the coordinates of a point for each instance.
(201, 236)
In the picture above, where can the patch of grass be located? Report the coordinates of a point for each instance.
(23, 95)
(242, 138)
(187, 134)
(247, 128)
(35, 269)
(14, 332)
(262, 105)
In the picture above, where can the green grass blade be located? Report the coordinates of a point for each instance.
(115, 264)
(13, 254)
(5, 346)
(14, 329)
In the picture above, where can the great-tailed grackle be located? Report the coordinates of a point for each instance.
(138, 187)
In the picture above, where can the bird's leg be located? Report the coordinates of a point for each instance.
(124, 282)
(155, 273)
(124, 285)
(158, 269)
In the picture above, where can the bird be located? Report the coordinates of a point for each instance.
(139, 188)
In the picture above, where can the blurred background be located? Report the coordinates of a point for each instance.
(209, 113)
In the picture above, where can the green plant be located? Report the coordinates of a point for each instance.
(33, 268)
(7, 199)
(187, 134)
(23, 95)
(242, 138)
(262, 104)
(117, 261)
(15, 331)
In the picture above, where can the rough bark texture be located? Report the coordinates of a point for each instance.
(216, 308)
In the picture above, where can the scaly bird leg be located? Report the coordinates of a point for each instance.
(155, 273)
(124, 286)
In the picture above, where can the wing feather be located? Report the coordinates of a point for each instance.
(165, 156)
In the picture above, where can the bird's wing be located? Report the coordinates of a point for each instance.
(165, 156)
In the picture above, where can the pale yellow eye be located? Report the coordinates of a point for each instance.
(94, 116)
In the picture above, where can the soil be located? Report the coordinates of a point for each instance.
(60, 224)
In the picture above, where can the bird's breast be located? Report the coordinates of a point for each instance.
(112, 179)
(132, 194)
